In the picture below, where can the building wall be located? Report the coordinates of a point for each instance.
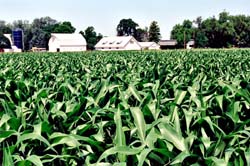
(110, 49)
(72, 48)
(55, 46)
(154, 47)
(133, 45)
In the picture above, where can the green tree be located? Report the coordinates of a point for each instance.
(200, 39)
(220, 33)
(241, 24)
(183, 32)
(154, 32)
(224, 17)
(127, 27)
(5, 28)
(142, 34)
(64, 27)
(41, 29)
(39, 38)
(198, 22)
(91, 37)
(226, 31)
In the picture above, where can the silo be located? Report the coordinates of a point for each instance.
(17, 36)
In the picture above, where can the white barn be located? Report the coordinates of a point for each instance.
(8, 36)
(118, 43)
(149, 45)
(61, 42)
(13, 47)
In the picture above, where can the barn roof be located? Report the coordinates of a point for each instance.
(147, 44)
(8, 36)
(69, 39)
(117, 41)
(171, 42)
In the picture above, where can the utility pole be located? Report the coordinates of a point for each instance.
(184, 36)
(194, 38)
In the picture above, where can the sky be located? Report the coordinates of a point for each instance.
(104, 15)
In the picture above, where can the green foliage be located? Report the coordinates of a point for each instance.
(126, 27)
(5, 28)
(227, 31)
(154, 32)
(64, 27)
(125, 108)
(183, 33)
(91, 37)
(201, 39)
(142, 34)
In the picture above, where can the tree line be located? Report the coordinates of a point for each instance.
(225, 32)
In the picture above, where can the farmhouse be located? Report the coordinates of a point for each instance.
(60, 42)
(149, 45)
(118, 43)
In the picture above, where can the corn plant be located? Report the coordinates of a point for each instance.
(125, 108)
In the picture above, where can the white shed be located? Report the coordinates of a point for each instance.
(61, 42)
(190, 44)
(118, 43)
(149, 45)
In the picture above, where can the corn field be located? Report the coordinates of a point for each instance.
(188, 108)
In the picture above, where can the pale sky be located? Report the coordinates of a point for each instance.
(104, 15)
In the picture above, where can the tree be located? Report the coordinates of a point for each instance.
(45, 23)
(183, 33)
(142, 34)
(39, 38)
(198, 22)
(64, 27)
(200, 39)
(126, 27)
(223, 17)
(241, 24)
(4, 42)
(91, 37)
(41, 30)
(220, 33)
(154, 32)
(226, 31)
(5, 29)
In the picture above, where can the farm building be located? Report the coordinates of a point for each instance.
(8, 36)
(168, 44)
(149, 45)
(190, 44)
(118, 43)
(13, 48)
(60, 42)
